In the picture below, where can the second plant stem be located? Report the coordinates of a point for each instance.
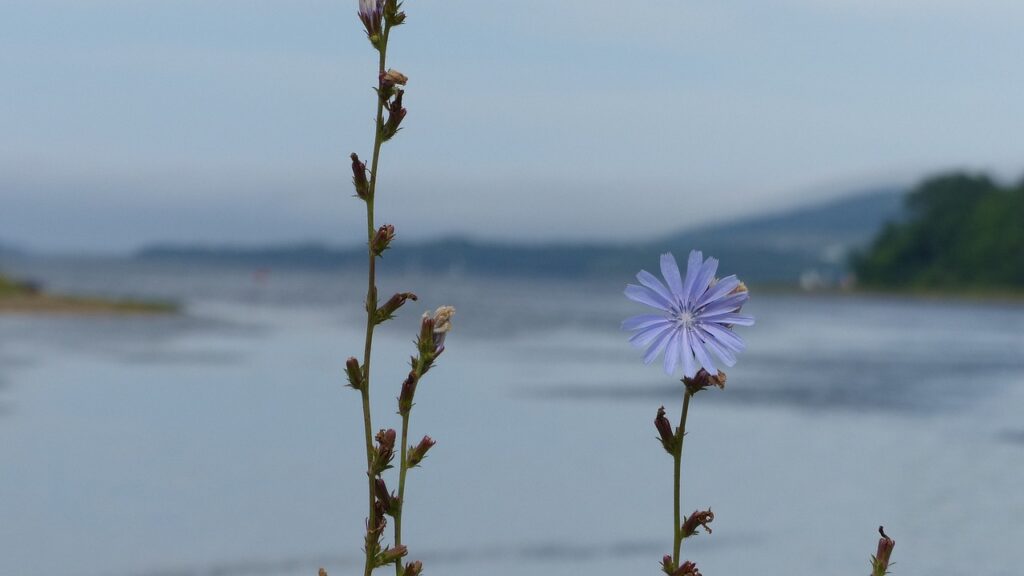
(677, 542)
(402, 469)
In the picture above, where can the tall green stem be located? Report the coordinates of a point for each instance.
(371, 309)
(677, 542)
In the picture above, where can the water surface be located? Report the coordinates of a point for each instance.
(223, 442)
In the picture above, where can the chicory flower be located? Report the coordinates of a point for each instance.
(695, 316)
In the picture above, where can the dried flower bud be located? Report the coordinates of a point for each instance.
(382, 239)
(741, 287)
(667, 565)
(696, 520)
(354, 373)
(379, 511)
(392, 78)
(374, 531)
(668, 438)
(702, 380)
(405, 398)
(359, 180)
(388, 502)
(387, 311)
(443, 319)
(391, 555)
(880, 561)
(433, 330)
(419, 451)
(386, 438)
(385, 450)
(413, 569)
(396, 113)
(322, 572)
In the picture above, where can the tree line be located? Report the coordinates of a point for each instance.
(959, 231)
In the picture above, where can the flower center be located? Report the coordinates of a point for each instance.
(684, 318)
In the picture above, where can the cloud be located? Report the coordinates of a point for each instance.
(618, 123)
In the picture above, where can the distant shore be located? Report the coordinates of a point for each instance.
(46, 304)
(996, 295)
(21, 298)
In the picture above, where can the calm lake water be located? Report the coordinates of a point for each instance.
(223, 442)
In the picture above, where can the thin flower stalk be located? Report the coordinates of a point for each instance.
(677, 487)
(695, 320)
(371, 313)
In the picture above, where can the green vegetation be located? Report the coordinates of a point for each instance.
(10, 288)
(962, 232)
(23, 298)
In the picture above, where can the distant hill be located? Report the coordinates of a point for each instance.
(783, 246)
(775, 248)
(962, 232)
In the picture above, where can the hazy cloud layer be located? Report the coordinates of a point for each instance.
(123, 122)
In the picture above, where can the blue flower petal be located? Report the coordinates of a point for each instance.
(645, 295)
(727, 304)
(643, 321)
(724, 336)
(704, 278)
(672, 353)
(645, 336)
(686, 351)
(702, 354)
(727, 357)
(658, 345)
(693, 266)
(720, 289)
(651, 281)
(670, 270)
(729, 318)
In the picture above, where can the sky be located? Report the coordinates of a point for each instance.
(127, 122)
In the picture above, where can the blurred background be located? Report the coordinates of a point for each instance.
(181, 276)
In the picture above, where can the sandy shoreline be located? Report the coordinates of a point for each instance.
(48, 304)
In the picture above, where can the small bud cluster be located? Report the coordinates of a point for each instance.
(393, 14)
(687, 569)
(378, 17)
(429, 345)
(384, 504)
(391, 98)
(703, 379)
